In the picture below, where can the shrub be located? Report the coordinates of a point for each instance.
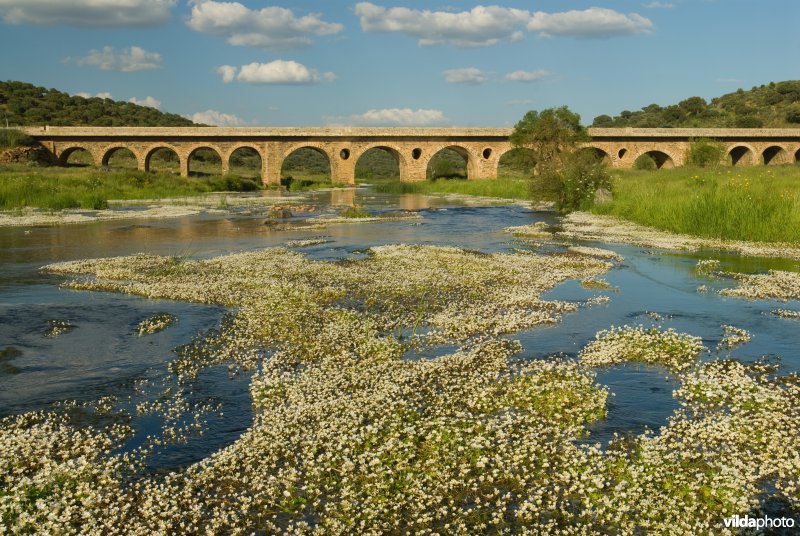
(645, 163)
(10, 137)
(584, 173)
(704, 152)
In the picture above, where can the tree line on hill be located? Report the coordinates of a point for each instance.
(23, 104)
(772, 105)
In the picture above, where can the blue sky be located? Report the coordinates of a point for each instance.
(397, 63)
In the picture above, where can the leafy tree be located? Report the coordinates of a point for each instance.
(704, 152)
(554, 136)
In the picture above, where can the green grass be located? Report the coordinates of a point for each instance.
(502, 187)
(760, 203)
(91, 188)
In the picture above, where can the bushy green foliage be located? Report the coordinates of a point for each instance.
(10, 137)
(584, 173)
(704, 152)
(23, 104)
(770, 105)
(564, 173)
(645, 162)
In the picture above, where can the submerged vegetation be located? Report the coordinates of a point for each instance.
(476, 441)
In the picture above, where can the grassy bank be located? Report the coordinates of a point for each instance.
(757, 203)
(91, 188)
(507, 188)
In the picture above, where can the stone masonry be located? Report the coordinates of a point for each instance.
(413, 148)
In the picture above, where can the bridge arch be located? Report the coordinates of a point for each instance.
(209, 153)
(662, 159)
(318, 148)
(797, 156)
(774, 155)
(64, 156)
(232, 158)
(469, 158)
(741, 154)
(169, 154)
(118, 151)
(395, 151)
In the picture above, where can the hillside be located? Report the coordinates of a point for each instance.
(776, 105)
(23, 104)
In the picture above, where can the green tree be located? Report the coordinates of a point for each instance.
(569, 175)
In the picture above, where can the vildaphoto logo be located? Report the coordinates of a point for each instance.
(766, 522)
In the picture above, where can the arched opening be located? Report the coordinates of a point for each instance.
(774, 156)
(449, 163)
(120, 158)
(245, 162)
(740, 156)
(416, 153)
(306, 167)
(378, 163)
(76, 157)
(797, 157)
(204, 162)
(487, 153)
(163, 160)
(654, 160)
(598, 153)
(621, 153)
(518, 163)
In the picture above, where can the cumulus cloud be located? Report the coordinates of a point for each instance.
(127, 60)
(526, 76)
(273, 28)
(147, 101)
(87, 13)
(218, 119)
(228, 72)
(659, 5)
(489, 25)
(274, 72)
(405, 117)
(468, 75)
(595, 22)
(481, 26)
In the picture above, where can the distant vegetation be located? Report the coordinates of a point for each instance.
(776, 104)
(23, 104)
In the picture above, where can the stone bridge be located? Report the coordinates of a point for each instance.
(412, 148)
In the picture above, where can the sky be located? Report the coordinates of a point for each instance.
(397, 62)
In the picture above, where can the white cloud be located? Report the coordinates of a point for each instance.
(101, 95)
(659, 5)
(526, 76)
(489, 25)
(273, 28)
(468, 75)
(127, 60)
(275, 72)
(219, 119)
(147, 101)
(481, 26)
(405, 117)
(87, 13)
(228, 72)
(595, 22)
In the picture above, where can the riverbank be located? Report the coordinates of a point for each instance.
(58, 188)
(755, 204)
(505, 188)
